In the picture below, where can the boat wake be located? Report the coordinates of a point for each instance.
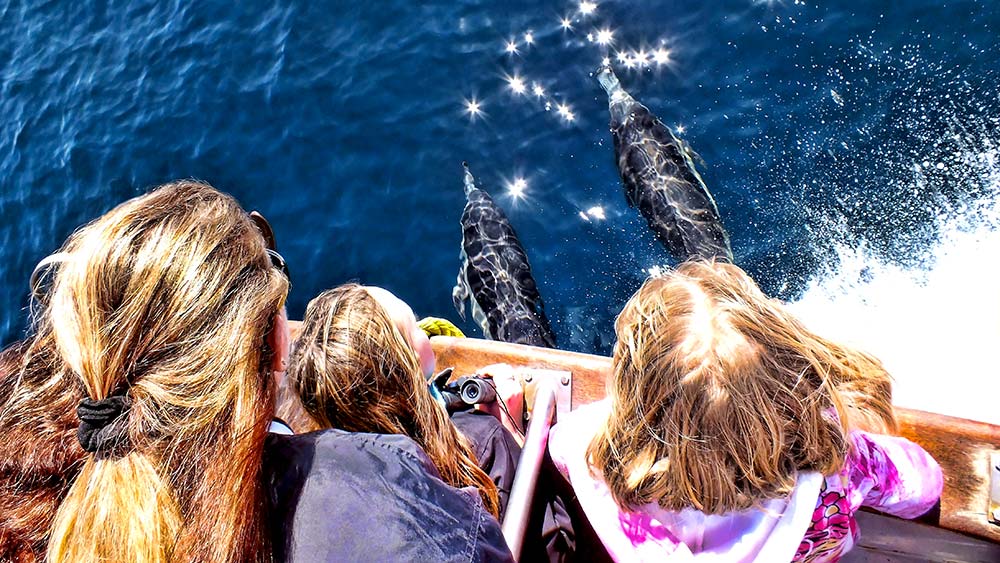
(934, 318)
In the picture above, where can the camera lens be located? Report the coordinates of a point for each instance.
(471, 393)
(475, 391)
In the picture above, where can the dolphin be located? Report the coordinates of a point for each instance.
(660, 179)
(495, 276)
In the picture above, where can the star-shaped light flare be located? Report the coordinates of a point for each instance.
(516, 84)
(474, 108)
(566, 112)
(517, 188)
(604, 36)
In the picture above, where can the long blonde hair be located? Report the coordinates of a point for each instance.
(352, 369)
(719, 395)
(168, 299)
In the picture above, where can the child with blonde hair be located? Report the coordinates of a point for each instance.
(733, 433)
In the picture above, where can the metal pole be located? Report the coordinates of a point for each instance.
(515, 520)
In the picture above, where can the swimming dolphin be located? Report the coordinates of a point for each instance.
(660, 179)
(495, 275)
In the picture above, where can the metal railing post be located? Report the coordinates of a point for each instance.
(515, 521)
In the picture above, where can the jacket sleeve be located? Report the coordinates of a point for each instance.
(893, 474)
(496, 450)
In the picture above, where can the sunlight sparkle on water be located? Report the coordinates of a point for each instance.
(605, 36)
(529, 38)
(657, 271)
(538, 90)
(680, 129)
(641, 58)
(516, 84)
(587, 8)
(566, 24)
(605, 62)
(511, 47)
(473, 108)
(597, 212)
(626, 59)
(661, 56)
(566, 112)
(517, 188)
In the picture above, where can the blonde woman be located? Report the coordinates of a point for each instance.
(733, 433)
(356, 366)
(167, 313)
(167, 310)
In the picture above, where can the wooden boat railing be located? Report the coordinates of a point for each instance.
(962, 447)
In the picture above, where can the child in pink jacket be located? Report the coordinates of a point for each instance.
(732, 433)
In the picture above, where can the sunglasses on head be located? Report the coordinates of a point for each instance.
(271, 246)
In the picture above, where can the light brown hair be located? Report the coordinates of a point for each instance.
(720, 396)
(169, 298)
(39, 453)
(352, 369)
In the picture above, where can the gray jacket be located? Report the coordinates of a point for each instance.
(341, 496)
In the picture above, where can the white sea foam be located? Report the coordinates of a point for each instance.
(936, 325)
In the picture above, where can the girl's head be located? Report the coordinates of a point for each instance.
(354, 367)
(168, 310)
(720, 396)
(406, 322)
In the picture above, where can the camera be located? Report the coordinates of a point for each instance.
(467, 392)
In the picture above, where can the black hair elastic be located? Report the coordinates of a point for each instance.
(103, 424)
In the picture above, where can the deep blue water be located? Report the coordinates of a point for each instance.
(345, 124)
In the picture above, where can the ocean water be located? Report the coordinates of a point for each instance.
(852, 149)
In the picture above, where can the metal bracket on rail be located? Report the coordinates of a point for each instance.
(561, 382)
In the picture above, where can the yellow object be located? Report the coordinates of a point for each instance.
(434, 326)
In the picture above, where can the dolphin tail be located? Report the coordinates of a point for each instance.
(470, 181)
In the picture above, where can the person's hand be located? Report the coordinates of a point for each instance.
(509, 406)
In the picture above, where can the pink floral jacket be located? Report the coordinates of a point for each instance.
(814, 524)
